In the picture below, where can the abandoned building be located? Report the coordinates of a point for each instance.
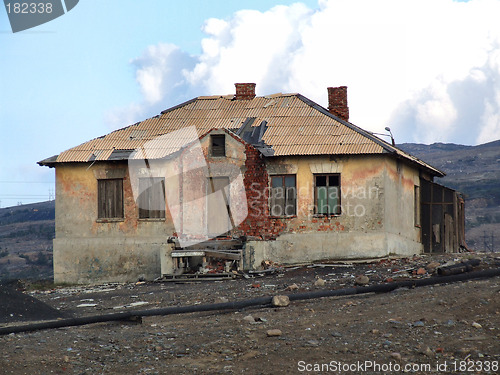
(220, 183)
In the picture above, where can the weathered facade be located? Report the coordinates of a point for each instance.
(293, 181)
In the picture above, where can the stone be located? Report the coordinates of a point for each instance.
(418, 323)
(273, 332)
(396, 356)
(292, 287)
(312, 343)
(319, 282)
(426, 351)
(476, 325)
(249, 319)
(431, 267)
(280, 301)
(421, 271)
(336, 334)
(221, 300)
(361, 280)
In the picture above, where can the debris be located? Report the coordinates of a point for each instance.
(319, 282)
(87, 305)
(332, 265)
(280, 301)
(458, 268)
(431, 267)
(361, 280)
(273, 332)
(133, 304)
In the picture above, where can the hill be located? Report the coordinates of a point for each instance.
(26, 234)
(475, 172)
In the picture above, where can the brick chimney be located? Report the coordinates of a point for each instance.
(245, 91)
(337, 102)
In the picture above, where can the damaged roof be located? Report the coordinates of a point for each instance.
(293, 125)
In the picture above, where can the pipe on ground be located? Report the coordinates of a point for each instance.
(261, 301)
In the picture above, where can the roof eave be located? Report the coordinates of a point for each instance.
(388, 148)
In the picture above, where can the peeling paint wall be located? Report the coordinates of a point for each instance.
(377, 217)
(87, 249)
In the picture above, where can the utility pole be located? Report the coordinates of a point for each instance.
(485, 242)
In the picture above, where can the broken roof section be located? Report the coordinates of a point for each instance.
(288, 124)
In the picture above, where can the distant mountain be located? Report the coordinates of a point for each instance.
(27, 212)
(26, 234)
(475, 172)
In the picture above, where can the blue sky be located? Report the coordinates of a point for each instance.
(106, 64)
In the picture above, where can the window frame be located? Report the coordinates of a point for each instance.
(416, 206)
(338, 205)
(110, 206)
(147, 214)
(285, 198)
(218, 150)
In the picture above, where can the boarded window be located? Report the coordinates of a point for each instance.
(110, 198)
(327, 194)
(283, 196)
(151, 199)
(218, 144)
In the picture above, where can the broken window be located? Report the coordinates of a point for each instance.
(151, 199)
(218, 144)
(110, 198)
(327, 194)
(283, 196)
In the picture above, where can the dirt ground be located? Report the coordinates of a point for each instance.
(452, 328)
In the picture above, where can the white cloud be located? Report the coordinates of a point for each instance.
(427, 68)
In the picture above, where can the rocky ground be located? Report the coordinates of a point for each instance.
(452, 328)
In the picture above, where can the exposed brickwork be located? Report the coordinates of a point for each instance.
(258, 222)
(337, 102)
(245, 91)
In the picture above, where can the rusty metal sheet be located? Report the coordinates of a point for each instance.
(296, 126)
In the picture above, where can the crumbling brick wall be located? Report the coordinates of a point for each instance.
(258, 223)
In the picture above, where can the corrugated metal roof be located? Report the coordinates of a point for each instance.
(296, 126)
